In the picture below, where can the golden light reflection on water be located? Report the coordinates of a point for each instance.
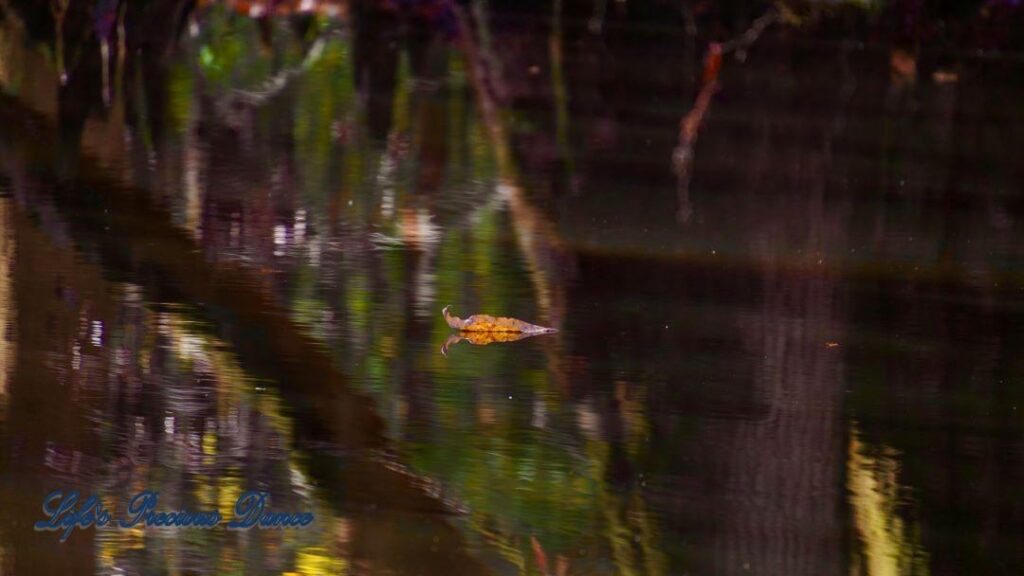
(213, 431)
(314, 560)
(313, 551)
(890, 545)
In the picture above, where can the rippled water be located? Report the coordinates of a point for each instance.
(224, 256)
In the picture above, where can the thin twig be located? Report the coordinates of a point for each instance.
(689, 126)
(743, 41)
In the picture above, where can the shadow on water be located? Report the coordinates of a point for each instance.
(227, 236)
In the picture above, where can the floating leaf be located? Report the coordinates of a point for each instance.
(486, 323)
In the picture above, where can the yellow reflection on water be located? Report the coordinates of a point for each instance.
(890, 545)
(318, 550)
(629, 528)
(314, 560)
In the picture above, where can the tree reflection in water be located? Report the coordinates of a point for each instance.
(226, 235)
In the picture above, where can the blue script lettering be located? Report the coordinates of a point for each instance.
(66, 510)
(61, 509)
(140, 506)
(142, 510)
(250, 511)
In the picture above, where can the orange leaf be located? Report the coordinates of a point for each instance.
(486, 323)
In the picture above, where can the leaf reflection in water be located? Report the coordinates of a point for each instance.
(483, 338)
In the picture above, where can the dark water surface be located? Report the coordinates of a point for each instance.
(223, 258)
